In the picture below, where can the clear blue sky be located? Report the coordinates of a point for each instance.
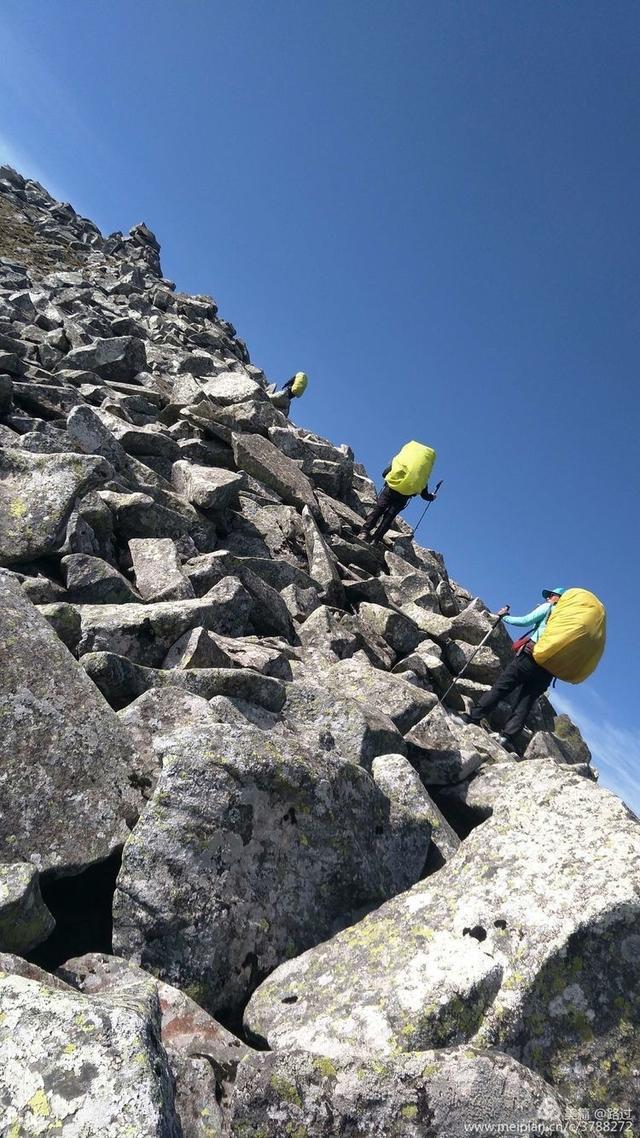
(431, 206)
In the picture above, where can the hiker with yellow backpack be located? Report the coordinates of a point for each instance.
(406, 475)
(565, 641)
(292, 389)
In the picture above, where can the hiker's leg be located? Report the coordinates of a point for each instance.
(386, 521)
(536, 680)
(395, 503)
(380, 508)
(508, 680)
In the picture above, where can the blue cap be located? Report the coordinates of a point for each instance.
(552, 592)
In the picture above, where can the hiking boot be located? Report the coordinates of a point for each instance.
(506, 743)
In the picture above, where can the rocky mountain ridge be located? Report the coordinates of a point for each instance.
(230, 792)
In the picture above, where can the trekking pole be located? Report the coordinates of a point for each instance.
(435, 495)
(482, 643)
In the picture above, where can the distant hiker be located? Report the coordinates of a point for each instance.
(407, 475)
(565, 641)
(292, 389)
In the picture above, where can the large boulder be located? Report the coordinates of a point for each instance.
(262, 460)
(250, 850)
(37, 496)
(144, 633)
(345, 728)
(445, 751)
(439, 1094)
(206, 487)
(411, 804)
(90, 580)
(119, 357)
(67, 767)
(203, 1056)
(404, 703)
(79, 1066)
(526, 940)
(156, 567)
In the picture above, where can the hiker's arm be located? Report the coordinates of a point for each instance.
(427, 495)
(386, 470)
(533, 617)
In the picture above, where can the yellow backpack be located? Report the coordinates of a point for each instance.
(410, 469)
(299, 385)
(574, 637)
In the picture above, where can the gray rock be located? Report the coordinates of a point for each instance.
(279, 844)
(442, 1094)
(206, 487)
(300, 602)
(57, 734)
(443, 750)
(341, 726)
(90, 434)
(323, 568)
(37, 495)
(202, 649)
(545, 745)
(120, 357)
(230, 387)
(404, 703)
(269, 614)
(520, 942)
(184, 1027)
(573, 745)
(225, 421)
(157, 570)
(484, 668)
(261, 459)
(328, 635)
(410, 816)
(152, 716)
(344, 728)
(472, 624)
(446, 599)
(25, 920)
(90, 580)
(82, 1066)
(142, 515)
(197, 649)
(6, 389)
(399, 632)
(144, 633)
(412, 806)
(432, 623)
(120, 681)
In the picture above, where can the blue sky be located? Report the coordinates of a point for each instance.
(431, 206)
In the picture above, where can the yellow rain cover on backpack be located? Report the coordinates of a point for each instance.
(300, 381)
(574, 637)
(410, 469)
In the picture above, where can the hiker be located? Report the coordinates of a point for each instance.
(292, 389)
(523, 674)
(406, 475)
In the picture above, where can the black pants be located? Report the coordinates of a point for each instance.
(390, 503)
(522, 675)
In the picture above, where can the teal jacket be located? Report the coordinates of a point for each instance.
(537, 619)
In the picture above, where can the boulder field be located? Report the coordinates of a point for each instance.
(257, 878)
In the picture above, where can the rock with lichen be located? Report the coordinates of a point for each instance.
(519, 942)
(439, 1093)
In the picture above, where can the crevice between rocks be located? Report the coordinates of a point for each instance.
(461, 817)
(81, 905)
